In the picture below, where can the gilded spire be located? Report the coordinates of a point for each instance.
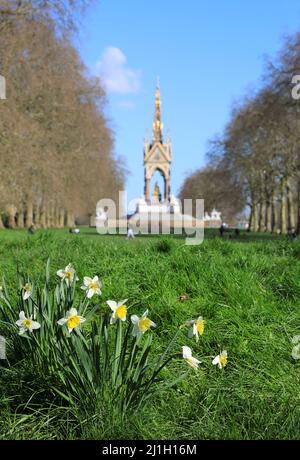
(157, 124)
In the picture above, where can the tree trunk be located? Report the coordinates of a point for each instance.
(290, 208)
(70, 219)
(43, 217)
(261, 217)
(37, 216)
(250, 220)
(11, 211)
(255, 223)
(48, 216)
(51, 215)
(61, 217)
(272, 215)
(298, 207)
(20, 219)
(277, 221)
(29, 214)
(283, 209)
(268, 214)
(57, 223)
(1, 222)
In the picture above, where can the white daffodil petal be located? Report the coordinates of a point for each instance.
(186, 352)
(112, 304)
(72, 312)
(62, 321)
(194, 362)
(134, 319)
(87, 280)
(296, 352)
(90, 293)
(216, 360)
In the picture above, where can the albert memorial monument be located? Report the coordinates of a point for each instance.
(160, 212)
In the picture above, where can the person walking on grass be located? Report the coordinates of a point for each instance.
(130, 233)
(31, 230)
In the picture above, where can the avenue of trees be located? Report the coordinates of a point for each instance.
(256, 161)
(56, 147)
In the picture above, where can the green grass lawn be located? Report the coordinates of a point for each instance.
(247, 290)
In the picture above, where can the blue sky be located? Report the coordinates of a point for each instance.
(207, 54)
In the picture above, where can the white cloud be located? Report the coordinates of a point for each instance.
(115, 73)
(126, 104)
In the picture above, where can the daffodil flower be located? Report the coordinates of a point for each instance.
(296, 352)
(221, 360)
(72, 320)
(68, 274)
(26, 324)
(27, 291)
(295, 339)
(296, 349)
(92, 286)
(197, 327)
(141, 325)
(119, 310)
(187, 355)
